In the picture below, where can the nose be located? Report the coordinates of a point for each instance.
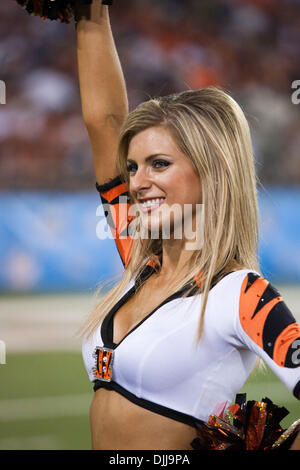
(139, 181)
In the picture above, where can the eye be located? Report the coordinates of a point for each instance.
(131, 167)
(163, 162)
(157, 164)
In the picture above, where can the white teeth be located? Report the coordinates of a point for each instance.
(152, 202)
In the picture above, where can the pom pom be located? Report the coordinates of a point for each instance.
(62, 10)
(247, 426)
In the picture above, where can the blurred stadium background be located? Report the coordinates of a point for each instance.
(51, 258)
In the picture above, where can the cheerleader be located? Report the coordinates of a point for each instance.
(169, 346)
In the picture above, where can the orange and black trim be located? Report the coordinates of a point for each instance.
(115, 200)
(268, 322)
(116, 204)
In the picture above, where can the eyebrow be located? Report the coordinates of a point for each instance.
(150, 157)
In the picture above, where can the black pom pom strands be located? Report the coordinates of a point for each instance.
(62, 10)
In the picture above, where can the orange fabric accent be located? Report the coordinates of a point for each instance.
(153, 262)
(197, 278)
(107, 374)
(115, 192)
(99, 373)
(124, 248)
(247, 305)
(121, 219)
(283, 342)
(256, 425)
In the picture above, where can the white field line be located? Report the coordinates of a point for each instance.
(21, 409)
(43, 322)
(43, 442)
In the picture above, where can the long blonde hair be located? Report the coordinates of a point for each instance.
(210, 128)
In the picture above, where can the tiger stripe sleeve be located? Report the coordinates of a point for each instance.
(267, 327)
(116, 204)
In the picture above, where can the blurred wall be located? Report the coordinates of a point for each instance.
(48, 241)
(279, 249)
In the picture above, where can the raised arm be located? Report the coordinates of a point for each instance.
(102, 86)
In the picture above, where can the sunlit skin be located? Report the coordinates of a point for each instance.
(115, 421)
(157, 168)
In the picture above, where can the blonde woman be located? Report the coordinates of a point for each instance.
(178, 336)
(172, 343)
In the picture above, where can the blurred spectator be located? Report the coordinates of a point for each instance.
(248, 47)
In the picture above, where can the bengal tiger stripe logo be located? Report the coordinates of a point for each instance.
(268, 322)
(103, 363)
(115, 202)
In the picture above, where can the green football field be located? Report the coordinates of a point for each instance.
(44, 400)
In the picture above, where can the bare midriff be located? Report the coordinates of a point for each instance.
(116, 422)
(119, 424)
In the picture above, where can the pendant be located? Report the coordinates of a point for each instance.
(103, 363)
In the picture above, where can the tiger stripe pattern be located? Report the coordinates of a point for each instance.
(266, 319)
(115, 200)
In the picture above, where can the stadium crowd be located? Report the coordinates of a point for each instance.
(248, 47)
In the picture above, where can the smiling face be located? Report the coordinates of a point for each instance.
(160, 173)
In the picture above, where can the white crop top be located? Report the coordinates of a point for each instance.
(160, 366)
